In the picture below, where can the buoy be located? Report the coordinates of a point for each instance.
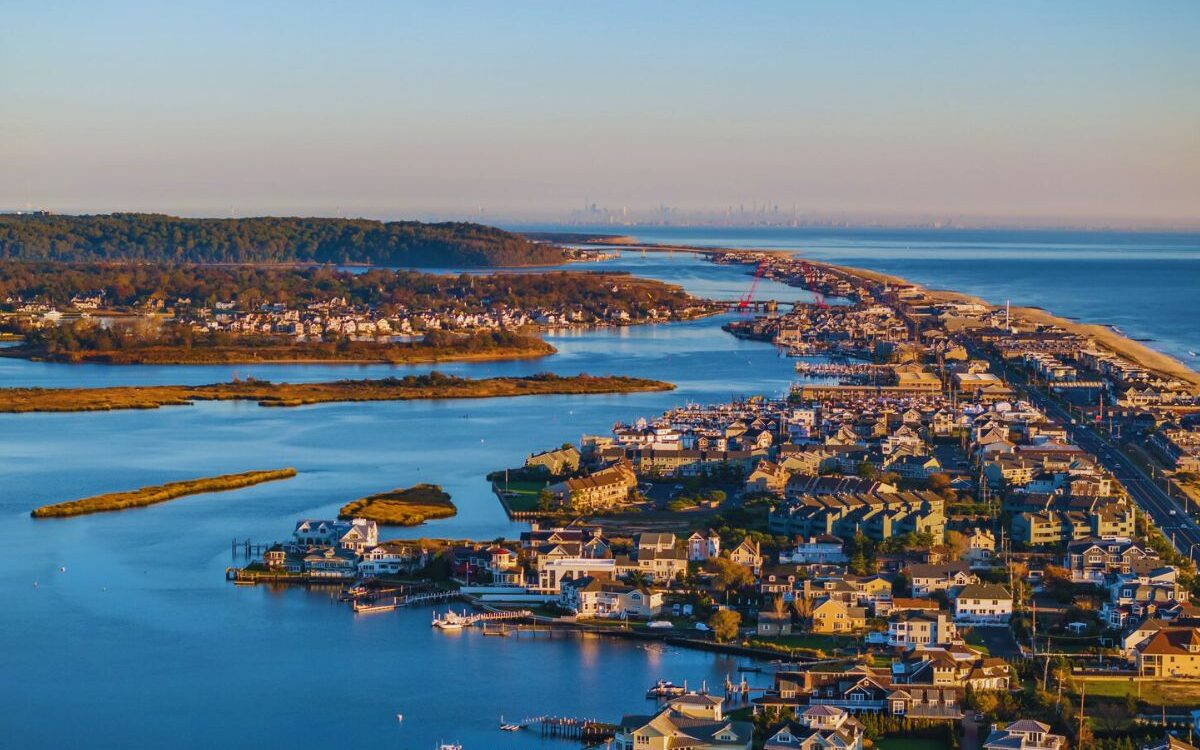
(63, 569)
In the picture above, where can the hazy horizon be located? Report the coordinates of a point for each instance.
(1071, 114)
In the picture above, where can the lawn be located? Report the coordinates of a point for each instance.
(521, 496)
(975, 640)
(807, 640)
(1153, 692)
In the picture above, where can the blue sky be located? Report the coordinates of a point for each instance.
(1048, 111)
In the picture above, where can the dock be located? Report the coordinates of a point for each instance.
(403, 600)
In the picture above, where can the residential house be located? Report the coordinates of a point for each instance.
(357, 534)
(597, 597)
(747, 553)
(912, 627)
(925, 579)
(767, 478)
(601, 490)
(832, 615)
(694, 722)
(982, 603)
(822, 550)
(1025, 734)
(555, 463)
(818, 728)
(702, 547)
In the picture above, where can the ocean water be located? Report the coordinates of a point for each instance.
(1146, 284)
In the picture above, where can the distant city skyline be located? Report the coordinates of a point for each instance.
(1073, 113)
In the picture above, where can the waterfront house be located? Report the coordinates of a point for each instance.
(553, 573)
(818, 728)
(555, 463)
(392, 558)
(831, 615)
(599, 597)
(771, 624)
(601, 490)
(691, 722)
(357, 534)
(331, 562)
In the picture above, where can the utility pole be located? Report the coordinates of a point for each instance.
(1082, 703)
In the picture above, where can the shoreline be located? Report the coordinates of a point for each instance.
(1103, 334)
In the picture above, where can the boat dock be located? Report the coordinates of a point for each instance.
(586, 730)
(404, 600)
(452, 619)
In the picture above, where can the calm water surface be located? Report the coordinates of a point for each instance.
(141, 643)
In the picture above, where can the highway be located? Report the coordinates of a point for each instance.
(1166, 513)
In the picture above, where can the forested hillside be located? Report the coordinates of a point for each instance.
(158, 237)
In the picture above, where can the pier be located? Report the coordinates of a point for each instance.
(403, 600)
(454, 620)
(568, 727)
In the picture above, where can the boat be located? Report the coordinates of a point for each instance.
(400, 717)
(665, 689)
(449, 746)
(660, 624)
(449, 621)
(1192, 353)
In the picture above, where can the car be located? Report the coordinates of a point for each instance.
(1171, 512)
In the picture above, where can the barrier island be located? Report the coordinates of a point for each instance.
(435, 385)
(159, 493)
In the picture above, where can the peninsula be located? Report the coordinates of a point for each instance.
(402, 507)
(432, 386)
(152, 495)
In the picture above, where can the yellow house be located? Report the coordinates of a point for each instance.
(1170, 653)
(834, 616)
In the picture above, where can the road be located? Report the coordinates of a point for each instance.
(1166, 513)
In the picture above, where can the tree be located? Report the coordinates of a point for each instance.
(731, 576)
(724, 624)
(939, 483)
(956, 544)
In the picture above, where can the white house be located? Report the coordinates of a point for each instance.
(982, 603)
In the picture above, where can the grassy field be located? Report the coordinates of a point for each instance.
(403, 507)
(432, 386)
(1184, 693)
(159, 493)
